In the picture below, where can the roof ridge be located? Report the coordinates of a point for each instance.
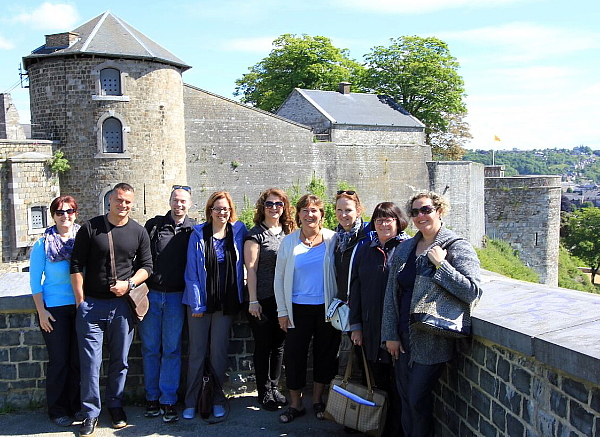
(93, 33)
(127, 27)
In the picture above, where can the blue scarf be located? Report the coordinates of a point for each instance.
(57, 249)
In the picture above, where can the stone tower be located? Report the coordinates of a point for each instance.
(525, 212)
(112, 99)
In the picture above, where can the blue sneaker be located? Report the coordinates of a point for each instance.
(189, 413)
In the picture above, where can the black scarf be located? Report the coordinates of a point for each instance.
(217, 299)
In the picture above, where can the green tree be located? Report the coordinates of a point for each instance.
(297, 62)
(422, 76)
(582, 237)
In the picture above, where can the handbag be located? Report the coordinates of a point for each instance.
(137, 298)
(437, 310)
(354, 405)
(209, 386)
(338, 314)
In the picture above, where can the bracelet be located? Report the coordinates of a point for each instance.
(254, 301)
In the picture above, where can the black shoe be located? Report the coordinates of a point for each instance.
(279, 398)
(118, 416)
(169, 413)
(268, 402)
(88, 427)
(152, 409)
(63, 421)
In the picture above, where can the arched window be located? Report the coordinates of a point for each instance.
(110, 82)
(112, 136)
(106, 203)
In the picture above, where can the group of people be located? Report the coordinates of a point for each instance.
(283, 273)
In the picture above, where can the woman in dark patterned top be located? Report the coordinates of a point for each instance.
(273, 220)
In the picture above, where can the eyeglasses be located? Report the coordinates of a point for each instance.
(385, 221)
(348, 192)
(69, 211)
(425, 210)
(218, 210)
(269, 204)
(182, 187)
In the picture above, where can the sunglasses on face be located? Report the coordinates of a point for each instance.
(385, 221)
(348, 192)
(425, 210)
(224, 209)
(269, 204)
(69, 211)
(182, 187)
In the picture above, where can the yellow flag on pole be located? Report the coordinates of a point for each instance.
(496, 138)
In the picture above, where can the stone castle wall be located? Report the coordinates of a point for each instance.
(525, 212)
(377, 135)
(243, 150)
(65, 107)
(461, 182)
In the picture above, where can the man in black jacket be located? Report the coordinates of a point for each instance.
(160, 331)
(102, 307)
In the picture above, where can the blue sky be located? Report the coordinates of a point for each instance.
(531, 67)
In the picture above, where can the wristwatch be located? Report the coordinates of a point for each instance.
(131, 284)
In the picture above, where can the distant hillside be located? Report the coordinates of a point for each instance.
(579, 164)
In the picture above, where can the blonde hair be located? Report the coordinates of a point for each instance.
(438, 201)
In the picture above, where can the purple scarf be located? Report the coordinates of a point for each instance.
(57, 249)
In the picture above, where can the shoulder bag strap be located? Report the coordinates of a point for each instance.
(111, 248)
(350, 270)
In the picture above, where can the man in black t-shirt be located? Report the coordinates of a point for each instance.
(102, 308)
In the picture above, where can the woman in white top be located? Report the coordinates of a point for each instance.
(304, 286)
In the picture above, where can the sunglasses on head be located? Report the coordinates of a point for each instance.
(69, 211)
(269, 204)
(348, 192)
(425, 210)
(182, 187)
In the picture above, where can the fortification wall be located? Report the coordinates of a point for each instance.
(462, 183)
(66, 107)
(244, 151)
(532, 367)
(377, 135)
(525, 212)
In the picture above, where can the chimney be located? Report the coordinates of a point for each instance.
(61, 39)
(344, 87)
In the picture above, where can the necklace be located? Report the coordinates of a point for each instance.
(310, 242)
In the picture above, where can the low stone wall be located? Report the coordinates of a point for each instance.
(532, 367)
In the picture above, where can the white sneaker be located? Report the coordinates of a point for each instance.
(218, 410)
(189, 413)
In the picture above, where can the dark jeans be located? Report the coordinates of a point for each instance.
(415, 385)
(62, 373)
(385, 379)
(99, 320)
(309, 322)
(269, 340)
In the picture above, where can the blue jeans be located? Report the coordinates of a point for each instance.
(97, 320)
(160, 332)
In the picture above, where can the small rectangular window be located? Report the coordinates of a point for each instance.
(110, 82)
(38, 217)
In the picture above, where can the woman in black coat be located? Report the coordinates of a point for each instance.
(367, 290)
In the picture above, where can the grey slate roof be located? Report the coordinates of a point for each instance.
(360, 109)
(107, 35)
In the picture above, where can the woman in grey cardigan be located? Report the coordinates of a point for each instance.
(420, 355)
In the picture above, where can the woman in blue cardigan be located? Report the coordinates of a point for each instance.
(214, 279)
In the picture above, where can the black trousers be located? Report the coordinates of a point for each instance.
(62, 372)
(269, 340)
(310, 324)
(415, 385)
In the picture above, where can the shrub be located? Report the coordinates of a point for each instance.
(569, 276)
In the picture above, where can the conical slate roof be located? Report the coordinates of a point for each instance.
(107, 35)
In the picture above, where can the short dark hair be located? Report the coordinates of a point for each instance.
(390, 209)
(306, 200)
(60, 200)
(123, 186)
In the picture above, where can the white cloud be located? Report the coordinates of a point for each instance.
(262, 44)
(524, 42)
(419, 7)
(6, 44)
(50, 16)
